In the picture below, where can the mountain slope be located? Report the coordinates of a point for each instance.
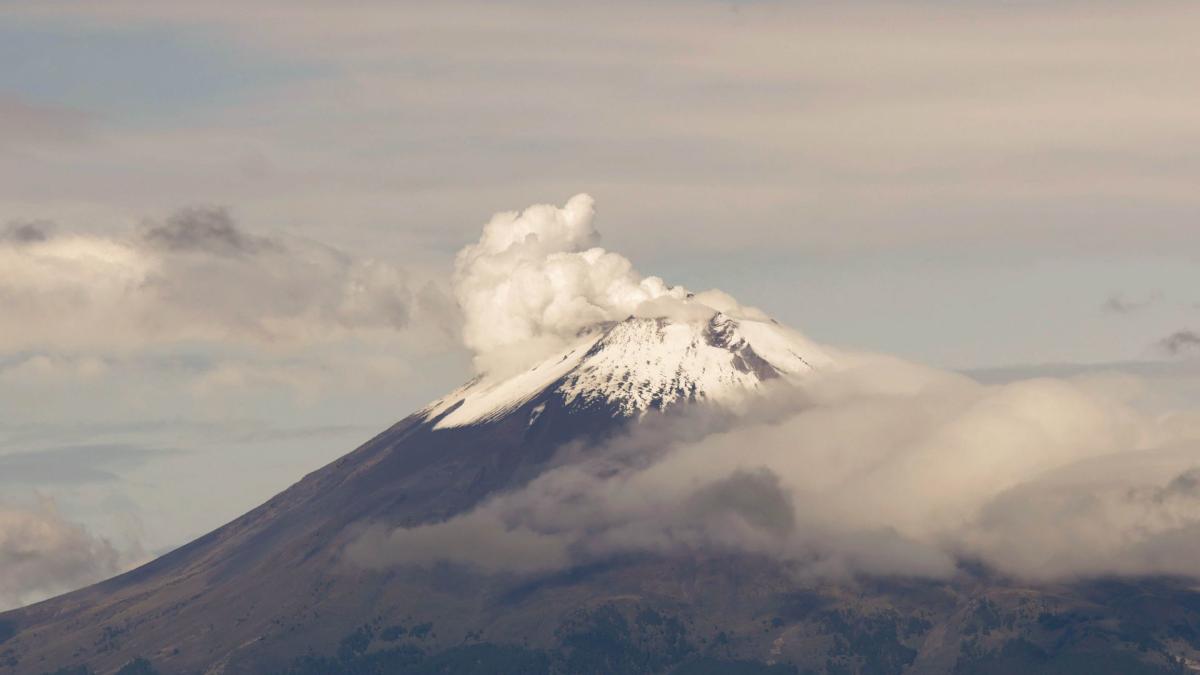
(263, 582)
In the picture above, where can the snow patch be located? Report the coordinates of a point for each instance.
(486, 399)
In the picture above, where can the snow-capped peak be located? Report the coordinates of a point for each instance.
(638, 364)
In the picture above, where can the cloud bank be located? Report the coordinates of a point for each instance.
(195, 276)
(880, 468)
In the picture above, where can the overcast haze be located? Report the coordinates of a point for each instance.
(228, 234)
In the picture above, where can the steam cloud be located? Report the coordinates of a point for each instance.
(536, 278)
(876, 467)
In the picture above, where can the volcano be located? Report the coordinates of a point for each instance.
(274, 591)
(251, 596)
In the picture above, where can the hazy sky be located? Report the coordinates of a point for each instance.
(227, 229)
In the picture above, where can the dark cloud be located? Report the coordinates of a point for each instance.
(1186, 485)
(755, 496)
(1181, 342)
(206, 229)
(1119, 303)
(27, 232)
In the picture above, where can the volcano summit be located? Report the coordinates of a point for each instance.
(630, 367)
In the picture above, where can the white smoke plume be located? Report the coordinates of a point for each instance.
(536, 278)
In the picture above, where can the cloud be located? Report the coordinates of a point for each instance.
(203, 230)
(195, 277)
(1119, 303)
(907, 126)
(1180, 342)
(536, 278)
(1129, 513)
(879, 467)
(26, 232)
(42, 554)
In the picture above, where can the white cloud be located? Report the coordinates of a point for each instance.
(882, 468)
(198, 277)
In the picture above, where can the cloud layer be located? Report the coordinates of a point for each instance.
(882, 467)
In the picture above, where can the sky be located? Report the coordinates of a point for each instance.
(228, 233)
